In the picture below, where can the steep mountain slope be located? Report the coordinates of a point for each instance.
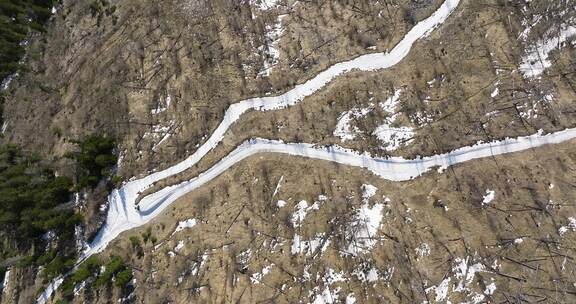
(158, 77)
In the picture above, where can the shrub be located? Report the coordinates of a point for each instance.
(87, 269)
(95, 159)
(135, 242)
(123, 278)
(146, 235)
(29, 196)
(18, 18)
(31, 204)
(114, 266)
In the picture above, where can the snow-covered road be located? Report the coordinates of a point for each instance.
(123, 215)
(370, 62)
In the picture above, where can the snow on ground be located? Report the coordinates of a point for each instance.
(179, 246)
(189, 223)
(302, 209)
(366, 273)
(257, 277)
(490, 289)
(273, 33)
(496, 91)
(392, 137)
(49, 290)
(423, 250)
(368, 191)
(343, 128)
(7, 81)
(162, 106)
(390, 104)
(463, 274)
(245, 256)
(368, 62)
(528, 24)
(332, 276)
(158, 110)
(531, 110)
(329, 294)
(441, 291)
(361, 232)
(309, 247)
(159, 133)
(122, 214)
(198, 265)
(264, 4)
(78, 287)
(466, 272)
(571, 226)
(489, 197)
(6, 280)
(537, 59)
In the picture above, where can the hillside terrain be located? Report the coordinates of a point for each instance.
(283, 151)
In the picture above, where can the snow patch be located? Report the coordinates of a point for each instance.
(256, 278)
(361, 232)
(123, 216)
(489, 197)
(179, 246)
(390, 104)
(343, 128)
(490, 289)
(50, 289)
(264, 4)
(198, 265)
(441, 291)
(423, 250)
(302, 209)
(392, 137)
(186, 224)
(309, 247)
(571, 226)
(368, 191)
(464, 275)
(496, 91)
(366, 273)
(6, 280)
(537, 59)
(278, 186)
(159, 134)
(273, 33)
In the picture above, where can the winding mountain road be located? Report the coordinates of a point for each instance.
(123, 214)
